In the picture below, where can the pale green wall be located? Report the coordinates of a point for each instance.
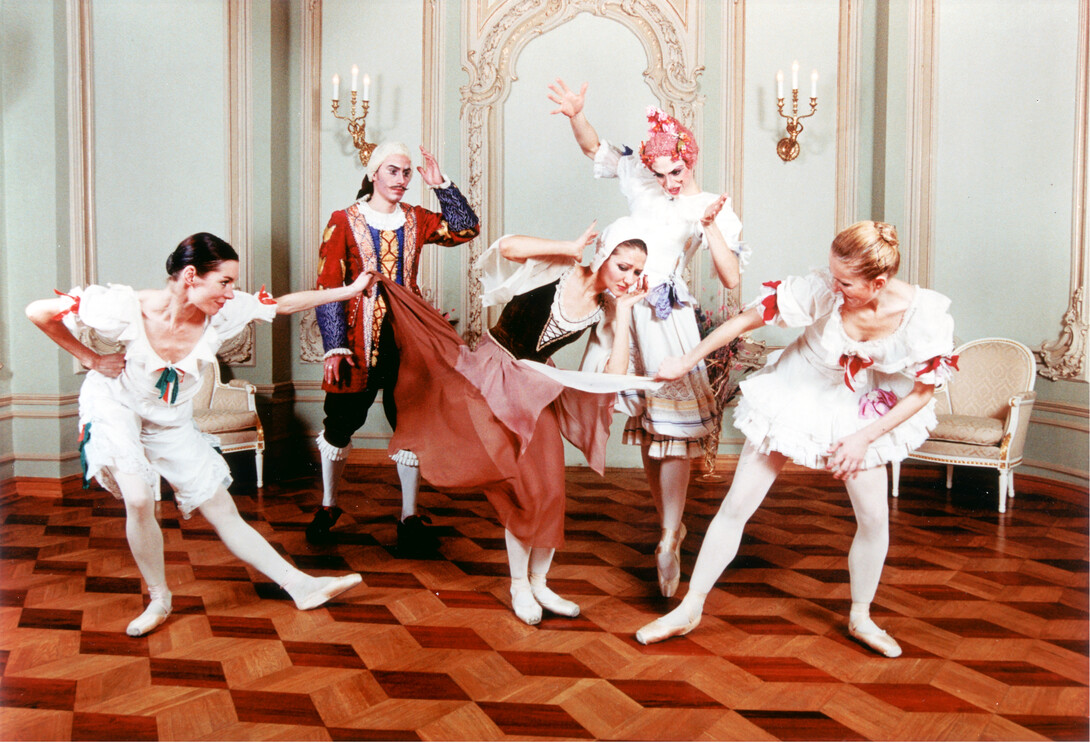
(1003, 164)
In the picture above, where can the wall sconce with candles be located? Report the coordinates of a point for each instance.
(357, 125)
(788, 147)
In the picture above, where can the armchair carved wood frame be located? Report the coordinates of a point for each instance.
(983, 413)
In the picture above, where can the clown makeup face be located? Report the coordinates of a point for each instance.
(674, 176)
(391, 181)
(622, 269)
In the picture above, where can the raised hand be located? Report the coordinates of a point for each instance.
(429, 171)
(713, 210)
(589, 235)
(628, 300)
(570, 103)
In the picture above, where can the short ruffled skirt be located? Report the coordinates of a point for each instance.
(122, 432)
(800, 407)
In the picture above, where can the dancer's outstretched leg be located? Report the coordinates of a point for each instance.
(867, 556)
(523, 602)
(755, 474)
(308, 592)
(540, 560)
(146, 543)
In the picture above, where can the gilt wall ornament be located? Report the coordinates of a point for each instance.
(1064, 358)
(496, 35)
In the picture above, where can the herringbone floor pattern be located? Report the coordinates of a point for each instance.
(992, 612)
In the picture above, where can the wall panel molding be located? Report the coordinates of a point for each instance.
(848, 98)
(81, 152)
(310, 181)
(919, 199)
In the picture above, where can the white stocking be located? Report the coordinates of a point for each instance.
(523, 602)
(409, 474)
(250, 547)
(540, 560)
(755, 474)
(867, 556)
(146, 543)
(333, 461)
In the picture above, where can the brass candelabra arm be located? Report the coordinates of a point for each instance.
(788, 147)
(357, 128)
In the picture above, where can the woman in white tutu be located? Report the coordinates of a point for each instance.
(850, 394)
(136, 407)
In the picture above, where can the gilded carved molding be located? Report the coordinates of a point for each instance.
(495, 35)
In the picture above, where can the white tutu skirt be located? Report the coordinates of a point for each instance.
(800, 407)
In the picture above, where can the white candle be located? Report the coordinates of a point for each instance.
(779, 84)
(367, 87)
(794, 75)
(355, 76)
(813, 84)
(336, 87)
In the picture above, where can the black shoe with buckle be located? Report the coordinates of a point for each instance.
(324, 519)
(415, 538)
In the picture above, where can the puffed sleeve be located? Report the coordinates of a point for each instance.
(731, 227)
(240, 311)
(795, 302)
(112, 311)
(607, 160)
(501, 279)
(930, 339)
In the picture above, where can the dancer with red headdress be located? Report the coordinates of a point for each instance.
(670, 424)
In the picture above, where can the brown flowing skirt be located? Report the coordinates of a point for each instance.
(482, 419)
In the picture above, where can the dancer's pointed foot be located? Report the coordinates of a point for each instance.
(523, 602)
(156, 613)
(675, 624)
(874, 637)
(310, 592)
(668, 559)
(550, 600)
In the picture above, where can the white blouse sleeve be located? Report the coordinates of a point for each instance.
(797, 301)
(111, 311)
(502, 279)
(930, 339)
(240, 311)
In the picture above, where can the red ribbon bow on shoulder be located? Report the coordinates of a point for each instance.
(771, 309)
(73, 308)
(264, 297)
(853, 365)
(938, 361)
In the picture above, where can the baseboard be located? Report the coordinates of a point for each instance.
(42, 487)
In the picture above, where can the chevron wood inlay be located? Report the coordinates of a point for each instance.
(992, 612)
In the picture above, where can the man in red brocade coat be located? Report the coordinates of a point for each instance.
(377, 233)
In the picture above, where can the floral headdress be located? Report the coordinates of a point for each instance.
(669, 137)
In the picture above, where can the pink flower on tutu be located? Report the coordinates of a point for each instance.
(876, 403)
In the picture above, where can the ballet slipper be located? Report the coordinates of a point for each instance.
(876, 639)
(316, 591)
(157, 612)
(669, 549)
(550, 600)
(523, 602)
(668, 626)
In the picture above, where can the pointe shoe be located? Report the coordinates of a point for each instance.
(524, 604)
(880, 641)
(327, 589)
(550, 600)
(660, 630)
(155, 614)
(670, 549)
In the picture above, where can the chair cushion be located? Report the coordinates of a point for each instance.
(217, 422)
(969, 429)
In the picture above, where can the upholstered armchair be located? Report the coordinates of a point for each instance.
(229, 412)
(983, 413)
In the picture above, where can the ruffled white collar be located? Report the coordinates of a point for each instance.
(395, 220)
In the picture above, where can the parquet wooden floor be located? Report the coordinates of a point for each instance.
(991, 610)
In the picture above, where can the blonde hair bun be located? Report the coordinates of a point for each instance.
(870, 248)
